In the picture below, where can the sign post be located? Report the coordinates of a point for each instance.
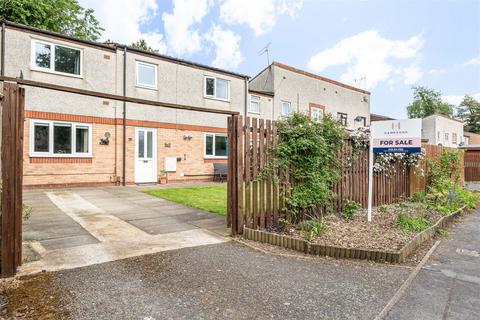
(392, 136)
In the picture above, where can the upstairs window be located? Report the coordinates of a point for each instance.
(216, 145)
(60, 139)
(342, 118)
(316, 114)
(217, 88)
(146, 75)
(254, 104)
(56, 58)
(286, 108)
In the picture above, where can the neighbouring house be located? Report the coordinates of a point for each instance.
(379, 117)
(439, 129)
(281, 90)
(471, 138)
(78, 140)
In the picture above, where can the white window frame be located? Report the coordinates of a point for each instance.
(289, 108)
(207, 156)
(52, 45)
(250, 104)
(321, 113)
(50, 153)
(214, 96)
(143, 85)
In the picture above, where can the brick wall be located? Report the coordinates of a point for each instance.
(106, 162)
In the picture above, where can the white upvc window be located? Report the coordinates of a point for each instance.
(286, 108)
(316, 114)
(60, 139)
(217, 88)
(254, 104)
(146, 75)
(216, 145)
(56, 58)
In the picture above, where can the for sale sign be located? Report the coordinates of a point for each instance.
(397, 136)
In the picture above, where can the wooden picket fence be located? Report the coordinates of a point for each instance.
(258, 200)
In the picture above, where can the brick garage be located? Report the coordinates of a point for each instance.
(105, 165)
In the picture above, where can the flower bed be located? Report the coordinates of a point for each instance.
(385, 239)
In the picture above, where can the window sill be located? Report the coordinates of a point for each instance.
(146, 87)
(57, 73)
(60, 156)
(61, 160)
(215, 158)
(254, 112)
(216, 99)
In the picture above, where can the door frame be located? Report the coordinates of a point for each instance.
(154, 154)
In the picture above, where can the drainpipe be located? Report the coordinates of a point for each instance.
(246, 96)
(124, 115)
(2, 62)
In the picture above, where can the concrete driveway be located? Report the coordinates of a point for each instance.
(71, 228)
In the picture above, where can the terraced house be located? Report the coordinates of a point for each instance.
(284, 89)
(76, 140)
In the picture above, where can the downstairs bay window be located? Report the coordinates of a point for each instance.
(216, 145)
(60, 139)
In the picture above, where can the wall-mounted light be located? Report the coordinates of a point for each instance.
(364, 99)
(105, 140)
(187, 137)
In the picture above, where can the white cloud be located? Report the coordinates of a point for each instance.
(227, 47)
(181, 35)
(260, 15)
(369, 54)
(122, 20)
(412, 74)
(472, 62)
(457, 99)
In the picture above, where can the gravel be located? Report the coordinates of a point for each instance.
(222, 281)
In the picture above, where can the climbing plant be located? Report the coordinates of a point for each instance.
(310, 152)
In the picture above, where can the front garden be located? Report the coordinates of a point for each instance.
(306, 156)
(308, 151)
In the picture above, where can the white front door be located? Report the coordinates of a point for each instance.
(145, 155)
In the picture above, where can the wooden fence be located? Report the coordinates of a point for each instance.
(258, 200)
(13, 102)
(472, 165)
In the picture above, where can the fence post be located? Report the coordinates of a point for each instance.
(12, 178)
(235, 175)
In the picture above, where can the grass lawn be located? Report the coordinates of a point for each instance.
(210, 198)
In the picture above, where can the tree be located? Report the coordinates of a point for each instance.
(427, 102)
(142, 45)
(469, 111)
(63, 16)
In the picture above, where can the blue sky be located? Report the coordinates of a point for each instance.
(384, 46)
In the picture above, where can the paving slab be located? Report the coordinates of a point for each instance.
(77, 227)
(448, 287)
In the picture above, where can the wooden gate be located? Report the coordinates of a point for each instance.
(472, 165)
(13, 102)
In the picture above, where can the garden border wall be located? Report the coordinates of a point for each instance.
(304, 246)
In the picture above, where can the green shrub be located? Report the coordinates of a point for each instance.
(408, 223)
(309, 150)
(444, 190)
(350, 208)
(383, 208)
(312, 226)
